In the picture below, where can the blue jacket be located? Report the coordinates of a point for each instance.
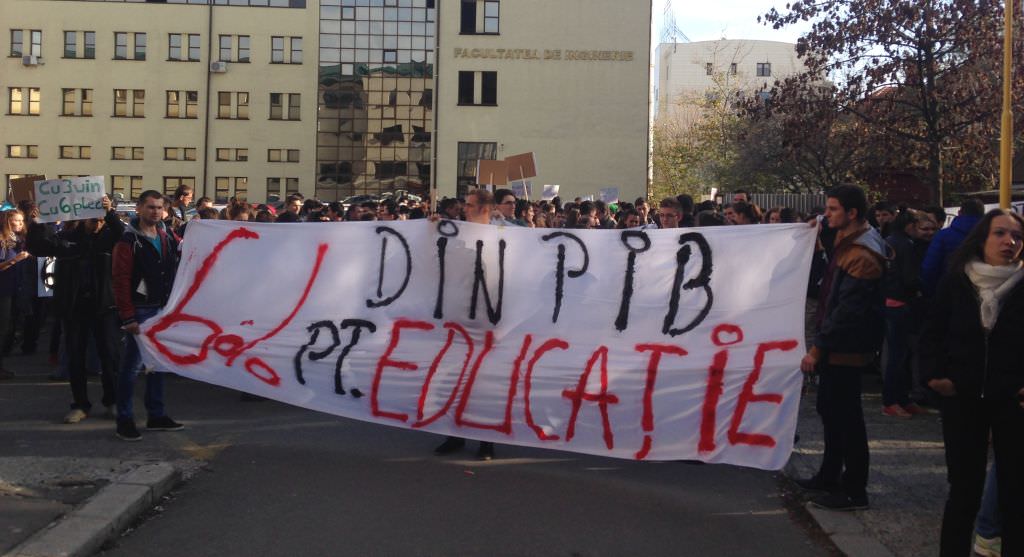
(943, 245)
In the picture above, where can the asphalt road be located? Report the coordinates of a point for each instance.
(274, 480)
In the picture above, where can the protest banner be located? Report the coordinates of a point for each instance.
(70, 199)
(550, 192)
(639, 344)
(494, 173)
(521, 188)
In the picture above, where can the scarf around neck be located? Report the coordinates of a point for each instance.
(992, 282)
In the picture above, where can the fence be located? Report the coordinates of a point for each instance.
(803, 202)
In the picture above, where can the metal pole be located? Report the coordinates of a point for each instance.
(1006, 138)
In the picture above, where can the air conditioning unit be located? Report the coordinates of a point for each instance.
(218, 67)
(30, 60)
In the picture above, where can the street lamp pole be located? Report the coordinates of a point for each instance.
(1006, 142)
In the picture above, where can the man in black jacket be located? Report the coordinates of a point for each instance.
(850, 326)
(83, 299)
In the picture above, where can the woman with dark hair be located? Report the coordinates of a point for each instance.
(971, 353)
(12, 253)
(524, 213)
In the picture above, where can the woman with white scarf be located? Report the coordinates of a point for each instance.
(971, 349)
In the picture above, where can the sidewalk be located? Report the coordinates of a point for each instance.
(906, 487)
(59, 493)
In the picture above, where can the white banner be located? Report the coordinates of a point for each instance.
(70, 199)
(640, 344)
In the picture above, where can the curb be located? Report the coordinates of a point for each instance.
(845, 530)
(83, 531)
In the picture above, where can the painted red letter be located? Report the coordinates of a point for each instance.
(716, 378)
(602, 398)
(747, 396)
(386, 361)
(647, 422)
(548, 345)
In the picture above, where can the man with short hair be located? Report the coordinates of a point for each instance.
(144, 264)
(729, 212)
(204, 203)
(686, 210)
(740, 195)
(450, 208)
(180, 201)
(293, 204)
(850, 324)
(945, 242)
(505, 201)
(669, 213)
(479, 205)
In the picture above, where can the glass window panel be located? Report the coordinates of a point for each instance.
(243, 48)
(140, 46)
(70, 43)
(90, 44)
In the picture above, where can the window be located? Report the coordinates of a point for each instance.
(75, 152)
(127, 153)
(282, 155)
(273, 188)
(285, 50)
(130, 187)
(179, 153)
(22, 151)
(129, 103)
(177, 44)
(174, 100)
(277, 106)
(478, 88)
(764, 69)
(233, 106)
(479, 17)
(121, 46)
(225, 188)
(232, 154)
(37, 43)
(23, 101)
(228, 44)
(77, 102)
(709, 68)
(469, 153)
(72, 39)
(171, 183)
(17, 42)
(732, 68)
(243, 49)
(291, 185)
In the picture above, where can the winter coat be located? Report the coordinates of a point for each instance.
(142, 276)
(942, 247)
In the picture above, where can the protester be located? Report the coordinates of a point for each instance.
(524, 213)
(946, 242)
(971, 351)
(144, 263)
(903, 307)
(181, 199)
(479, 206)
(505, 203)
(881, 216)
(12, 254)
(84, 300)
(849, 326)
(669, 213)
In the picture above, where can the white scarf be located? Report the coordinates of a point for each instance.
(992, 283)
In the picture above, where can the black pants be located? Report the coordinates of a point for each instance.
(966, 425)
(78, 329)
(6, 321)
(846, 458)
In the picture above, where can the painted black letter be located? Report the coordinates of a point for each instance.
(622, 321)
(314, 356)
(446, 229)
(702, 280)
(359, 325)
(560, 268)
(380, 277)
(479, 281)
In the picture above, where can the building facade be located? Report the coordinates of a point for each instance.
(260, 98)
(686, 70)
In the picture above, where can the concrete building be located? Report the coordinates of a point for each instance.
(219, 94)
(688, 70)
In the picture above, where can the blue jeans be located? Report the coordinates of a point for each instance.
(896, 381)
(989, 525)
(130, 366)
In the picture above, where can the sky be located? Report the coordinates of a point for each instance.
(706, 20)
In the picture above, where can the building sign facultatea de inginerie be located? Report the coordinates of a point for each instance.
(545, 54)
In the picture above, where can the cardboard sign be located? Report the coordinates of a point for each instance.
(494, 173)
(23, 189)
(521, 166)
(613, 344)
(70, 199)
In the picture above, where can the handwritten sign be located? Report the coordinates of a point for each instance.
(70, 199)
(610, 195)
(639, 344)
(550, 192)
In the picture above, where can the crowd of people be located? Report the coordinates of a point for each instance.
(933, 307)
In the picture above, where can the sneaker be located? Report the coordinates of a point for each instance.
(988, 547)
(815, 483)
(74, 416)
(895, 411)
(486, 451)
(840, 502)
(163, 423)
(126, 430)
(450, 445)
(914, 410)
